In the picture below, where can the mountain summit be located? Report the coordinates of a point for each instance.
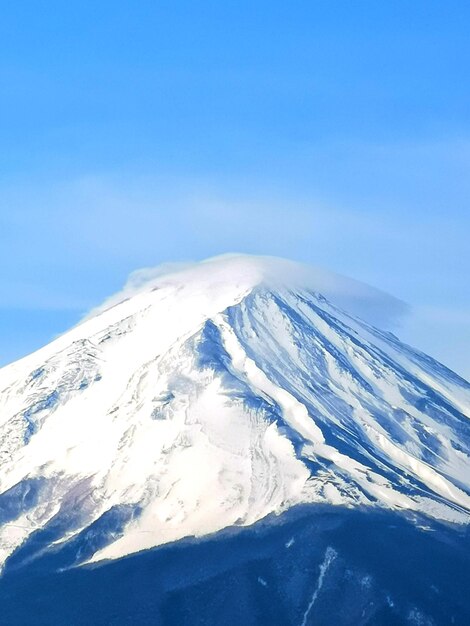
(212, 395)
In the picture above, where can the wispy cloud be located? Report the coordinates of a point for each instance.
(72, 242)
(368, 303)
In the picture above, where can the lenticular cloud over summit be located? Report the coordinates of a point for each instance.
(369, 303)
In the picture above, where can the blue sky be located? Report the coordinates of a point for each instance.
(331, 132)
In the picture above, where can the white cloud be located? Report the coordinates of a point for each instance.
(368, 303)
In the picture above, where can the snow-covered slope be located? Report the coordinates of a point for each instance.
(215, 394)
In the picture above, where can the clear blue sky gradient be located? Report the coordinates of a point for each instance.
(331, 132)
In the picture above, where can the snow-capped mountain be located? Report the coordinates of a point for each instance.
(215, 394)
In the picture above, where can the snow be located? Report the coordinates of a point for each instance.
(214, 394)
(330, 556)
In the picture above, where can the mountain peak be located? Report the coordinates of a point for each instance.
(214, 394)
(237, 274)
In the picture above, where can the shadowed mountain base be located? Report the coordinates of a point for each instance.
(313, 565)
